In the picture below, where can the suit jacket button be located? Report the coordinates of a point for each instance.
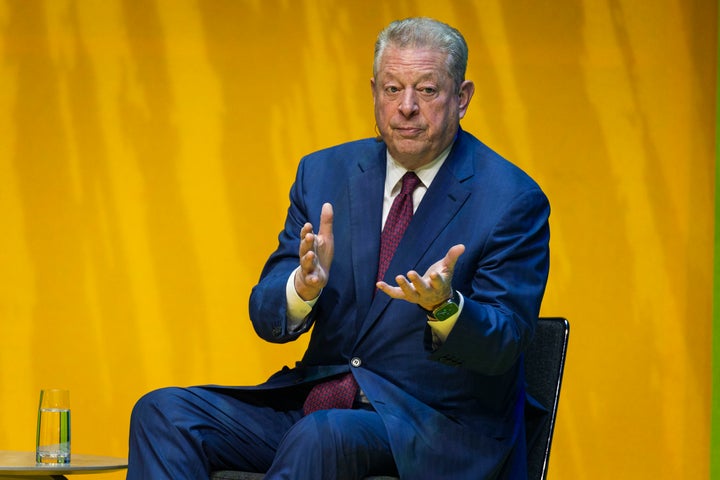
(355, 362)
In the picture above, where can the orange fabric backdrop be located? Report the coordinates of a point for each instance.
(148, 147)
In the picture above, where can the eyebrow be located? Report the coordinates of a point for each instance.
(428, 76)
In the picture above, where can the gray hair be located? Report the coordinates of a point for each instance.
(422, 32)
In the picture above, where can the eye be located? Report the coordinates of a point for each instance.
(391, 89)
(428, 91)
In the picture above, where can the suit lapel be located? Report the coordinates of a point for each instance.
(441, 203)
(366, 197)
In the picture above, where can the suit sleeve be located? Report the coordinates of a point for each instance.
(268, 301)
(503, 296)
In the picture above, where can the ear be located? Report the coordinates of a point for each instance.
(372, 88)
(467, 89)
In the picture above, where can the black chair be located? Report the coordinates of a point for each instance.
(544, 365)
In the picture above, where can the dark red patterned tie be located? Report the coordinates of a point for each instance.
(340, 392)
(397, 222)
(336, 393)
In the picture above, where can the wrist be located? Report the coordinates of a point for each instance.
(445, 309)
(304, 291)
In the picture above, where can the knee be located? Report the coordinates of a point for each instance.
(348, 443)
(322, 431)
(154, 405)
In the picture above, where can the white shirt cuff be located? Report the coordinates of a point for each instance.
(297, 308)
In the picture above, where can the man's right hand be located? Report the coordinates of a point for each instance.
(316, 255)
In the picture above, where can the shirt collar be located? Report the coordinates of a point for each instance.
(394, 171)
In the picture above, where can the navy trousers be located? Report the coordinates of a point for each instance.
(186, 433)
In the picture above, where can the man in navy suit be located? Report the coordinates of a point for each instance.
(432, 348)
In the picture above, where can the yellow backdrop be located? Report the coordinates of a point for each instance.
(147, 147)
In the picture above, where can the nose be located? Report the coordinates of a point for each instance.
(408, 103)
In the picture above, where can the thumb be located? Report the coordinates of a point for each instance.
(453, 254)
(326, 220)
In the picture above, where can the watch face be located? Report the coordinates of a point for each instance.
(446, 311)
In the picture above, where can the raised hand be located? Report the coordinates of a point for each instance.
(316, 255)
(431, 289)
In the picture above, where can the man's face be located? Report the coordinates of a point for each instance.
(417, 105)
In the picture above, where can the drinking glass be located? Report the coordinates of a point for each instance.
(53, 427)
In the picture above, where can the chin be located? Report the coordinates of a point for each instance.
(412, 161)
(409, 153)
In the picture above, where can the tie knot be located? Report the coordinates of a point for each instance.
(410, 181)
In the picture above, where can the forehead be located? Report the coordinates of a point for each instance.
(413, 62)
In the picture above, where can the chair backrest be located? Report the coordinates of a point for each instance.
(544, 365)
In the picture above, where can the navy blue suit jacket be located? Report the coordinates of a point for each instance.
(451, 412)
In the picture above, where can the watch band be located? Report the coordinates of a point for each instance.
(446, 309)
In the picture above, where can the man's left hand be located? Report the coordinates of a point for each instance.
(431, 289)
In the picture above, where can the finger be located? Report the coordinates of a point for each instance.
(408, 289)
(307, 228)
(307, 239)
(326, 220)
(436, 281)
(308, 262)
(453, 254)
(307, 244)
(392, 292)
(419, 284)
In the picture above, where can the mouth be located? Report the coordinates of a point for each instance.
(408, 131)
